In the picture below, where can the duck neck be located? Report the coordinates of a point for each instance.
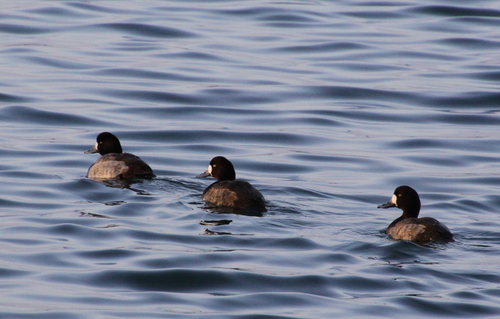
(411, 212)
(227, 177)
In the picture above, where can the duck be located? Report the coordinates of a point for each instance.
(409, 227)
(113, 163)
(231, 192)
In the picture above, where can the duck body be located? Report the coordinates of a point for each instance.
(409, 227)
(421, 230)
(236, 193)
(119, 165)
(228, 191)
(113, 163)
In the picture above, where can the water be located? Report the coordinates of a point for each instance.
(326, 107)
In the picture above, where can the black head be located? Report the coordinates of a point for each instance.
(221, 169)
(407, 199)
(106, 143)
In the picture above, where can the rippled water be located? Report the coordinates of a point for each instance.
(324, 106)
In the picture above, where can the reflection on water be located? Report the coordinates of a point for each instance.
(324, 107)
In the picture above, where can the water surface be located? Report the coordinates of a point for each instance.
(326, 107)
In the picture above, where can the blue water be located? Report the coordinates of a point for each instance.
(326, 107)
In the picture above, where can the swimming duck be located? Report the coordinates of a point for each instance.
(114, 163)
(409, 226)
(228, 191)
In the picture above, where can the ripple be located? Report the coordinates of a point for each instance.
(487, 76)
(146, 30)
(324, 108)
(58, 63)
(444, 308)
(28, 114)
(455, 11)
(468, 119)
(212, 281)
(11, 273)
(21, 29)
(473, 44)
(356, 93)
(335, 46)
(131, 73)
(152, 96)
(199, 136)
(59, 12)
(8, 98)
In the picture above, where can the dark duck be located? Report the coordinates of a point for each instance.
(409, 226)
(113, 163)
(230, 192)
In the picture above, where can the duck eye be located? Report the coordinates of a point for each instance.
(399, 195)
(214, 165)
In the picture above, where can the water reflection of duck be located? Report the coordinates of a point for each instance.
(409, 226)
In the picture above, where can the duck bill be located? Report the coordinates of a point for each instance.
(204, 174)
(91, 150)
(207, 173)
(393, 202)
(389, 204)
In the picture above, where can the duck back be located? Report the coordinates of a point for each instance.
(235, 193)
(121, 165)
(421, 230)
